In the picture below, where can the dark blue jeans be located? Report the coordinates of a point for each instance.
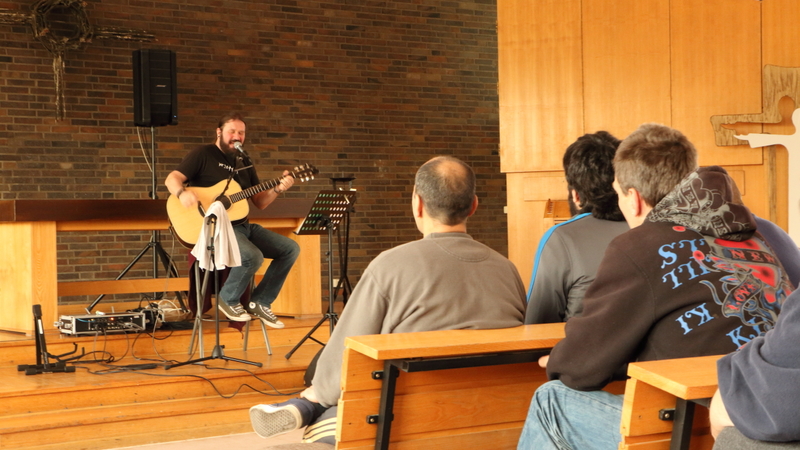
(255, 244)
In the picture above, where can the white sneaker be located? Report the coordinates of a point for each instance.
(272, 420)
(265, 314)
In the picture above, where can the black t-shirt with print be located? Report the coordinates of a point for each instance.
(206, 166)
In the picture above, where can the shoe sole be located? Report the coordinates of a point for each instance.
(269, 422)
(271, 324)
(235, 318)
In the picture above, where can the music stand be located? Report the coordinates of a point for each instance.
(327, 212)
(217, 353)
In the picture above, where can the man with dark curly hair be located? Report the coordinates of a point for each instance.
(569, 253)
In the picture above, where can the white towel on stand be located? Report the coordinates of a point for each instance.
(226, 249)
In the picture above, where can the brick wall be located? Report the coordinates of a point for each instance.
(364, 88)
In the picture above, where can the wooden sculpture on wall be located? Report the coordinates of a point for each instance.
(62, 25)
(779, 82)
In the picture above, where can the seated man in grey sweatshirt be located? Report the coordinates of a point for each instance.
(444, 281)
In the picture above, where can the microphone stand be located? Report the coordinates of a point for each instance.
(155, 242)
(218, 352)
(344, 241)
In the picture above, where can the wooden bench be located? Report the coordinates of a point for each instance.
(472, 389)
(658, 389)
(454, 389)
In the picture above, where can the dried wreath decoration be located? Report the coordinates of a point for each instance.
(52, 40)
(62, 25)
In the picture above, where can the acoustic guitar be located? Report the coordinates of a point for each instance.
(186, 223)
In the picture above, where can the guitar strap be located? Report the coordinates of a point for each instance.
(237, 167)
(233, 173)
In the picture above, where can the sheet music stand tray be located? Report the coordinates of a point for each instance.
(324, 217)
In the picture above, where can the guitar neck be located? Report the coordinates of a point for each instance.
(253, 190)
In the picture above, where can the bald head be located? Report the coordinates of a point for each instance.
(446, 186)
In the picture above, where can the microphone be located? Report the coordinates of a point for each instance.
(244, 157)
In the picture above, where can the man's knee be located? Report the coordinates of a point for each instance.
(548, 393)
(252, 260)
(292, 250)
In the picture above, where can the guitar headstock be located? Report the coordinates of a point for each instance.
(304, 172)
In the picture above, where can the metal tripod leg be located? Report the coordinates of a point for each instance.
(158, 253)
(331, 314)
(217, 352)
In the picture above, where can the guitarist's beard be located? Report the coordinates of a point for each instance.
(227, 148)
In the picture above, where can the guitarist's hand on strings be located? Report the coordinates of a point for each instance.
(287, 181)
(176, 184)
(188, 198)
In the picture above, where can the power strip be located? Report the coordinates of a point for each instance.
(102, 323)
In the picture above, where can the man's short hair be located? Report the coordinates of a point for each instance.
(446, 186)
(589, 169)
(233, 115)
(653, 160)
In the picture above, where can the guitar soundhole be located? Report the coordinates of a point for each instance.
(226, 202)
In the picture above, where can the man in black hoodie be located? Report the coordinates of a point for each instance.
(691, 278)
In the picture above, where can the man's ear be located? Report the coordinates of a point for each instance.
(637, 202)
(474, 206)
(417, 205)
(576, 199)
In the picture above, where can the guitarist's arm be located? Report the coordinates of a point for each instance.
(175, 184)
(263, 199)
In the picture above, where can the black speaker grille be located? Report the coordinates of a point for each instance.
(155, 90)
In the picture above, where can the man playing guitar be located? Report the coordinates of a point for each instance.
(217, 164)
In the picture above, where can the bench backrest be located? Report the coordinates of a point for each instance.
(655, 386)
(485, 407)
(478, 407)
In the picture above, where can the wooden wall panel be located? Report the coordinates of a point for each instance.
(626, 64)
(780, 34)
(676, 62)
(716, 69)
(751, 180)
(541, 105)
(527, 195)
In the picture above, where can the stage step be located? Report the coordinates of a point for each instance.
(87, 410)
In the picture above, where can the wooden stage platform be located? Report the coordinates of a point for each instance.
(102, 406)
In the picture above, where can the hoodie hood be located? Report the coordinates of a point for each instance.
(706, 201)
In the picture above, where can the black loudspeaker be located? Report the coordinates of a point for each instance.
(155, 88)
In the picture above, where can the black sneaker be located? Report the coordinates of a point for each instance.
(235, 312)
(265, 314)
